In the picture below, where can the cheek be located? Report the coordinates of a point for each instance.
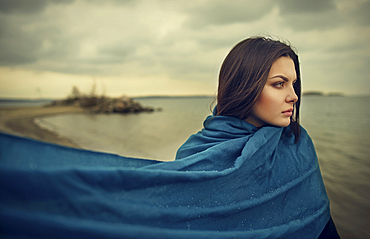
(266, 101)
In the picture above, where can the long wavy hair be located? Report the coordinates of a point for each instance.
(244, 73)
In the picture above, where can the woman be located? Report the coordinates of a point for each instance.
(260, 83)
(251, 172)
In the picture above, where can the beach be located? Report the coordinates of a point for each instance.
(21, 121)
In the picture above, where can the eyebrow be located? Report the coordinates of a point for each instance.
(282, 77)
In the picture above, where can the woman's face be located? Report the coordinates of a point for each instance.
(275, 104)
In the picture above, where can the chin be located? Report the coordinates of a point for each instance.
(286, 124)
(283, 124)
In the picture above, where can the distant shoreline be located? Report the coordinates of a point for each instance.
(172, 97)
(19, 120)
(45, 101)
(5, 102)
(319, 93)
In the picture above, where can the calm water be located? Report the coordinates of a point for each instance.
(23, 103)
(339, 127)
(146, 135)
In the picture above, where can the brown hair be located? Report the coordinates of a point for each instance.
(244, 73)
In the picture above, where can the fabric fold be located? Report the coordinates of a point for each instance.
(230, 180)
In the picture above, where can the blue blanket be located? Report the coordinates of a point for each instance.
(231, 180)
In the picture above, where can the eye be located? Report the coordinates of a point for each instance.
(279, 84)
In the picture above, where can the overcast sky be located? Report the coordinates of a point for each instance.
(173, 47)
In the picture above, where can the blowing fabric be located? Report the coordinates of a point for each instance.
(230, 180)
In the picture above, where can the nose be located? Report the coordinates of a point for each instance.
(292, 96)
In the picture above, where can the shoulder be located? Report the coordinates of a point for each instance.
(304, 136)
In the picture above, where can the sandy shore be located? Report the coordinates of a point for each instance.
(20, 121)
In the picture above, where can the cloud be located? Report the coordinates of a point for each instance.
(179, 40)
(304, 6)
(323, 15)
(319, 21)
(28, 7)
(113, 54)
(73, 40)
(361, 14)
(17, 47)
(304, 15)
(114, 2)
(227, 12)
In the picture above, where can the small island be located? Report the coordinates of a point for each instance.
(22, 120)
(309, 93)
(101, 104)
(319, 93)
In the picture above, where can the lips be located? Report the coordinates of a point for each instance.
(288, 112)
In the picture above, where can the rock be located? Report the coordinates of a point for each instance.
(106, 105)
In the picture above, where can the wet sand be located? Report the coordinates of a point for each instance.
(20, 121)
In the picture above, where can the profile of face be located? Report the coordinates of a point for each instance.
(275, 104)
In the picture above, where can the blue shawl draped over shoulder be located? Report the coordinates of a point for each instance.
(230, 180)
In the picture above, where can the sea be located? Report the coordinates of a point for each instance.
(338, 125)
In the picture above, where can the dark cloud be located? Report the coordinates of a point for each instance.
(362, 13)
(27, 6)
(352, 47)
(227, 12)
(302, 15)
(8, 57)
(20, 45)
(305, 6)
(113, 54)
(117, 2)
(119, 50)
(16, 46)
(210, 43)
(319, 21)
